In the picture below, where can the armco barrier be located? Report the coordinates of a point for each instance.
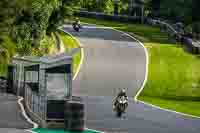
(191, 46)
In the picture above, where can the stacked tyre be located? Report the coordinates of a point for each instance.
(74, 116)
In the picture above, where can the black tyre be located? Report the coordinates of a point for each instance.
(119, 114)
(77, 125)
(74, 116)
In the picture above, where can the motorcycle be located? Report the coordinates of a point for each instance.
(76, 27)
(121, 105)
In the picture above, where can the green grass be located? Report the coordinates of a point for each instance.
(174, 76)
(43, 130)
(71, 43)
(173, 79)
(188, 107)
(68, 41)
(143, 32)
(173, 73)
(76, 60)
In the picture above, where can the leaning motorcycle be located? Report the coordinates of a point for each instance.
(121, 105)
(76, 27)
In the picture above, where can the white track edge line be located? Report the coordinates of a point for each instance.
(168, 110)
(35, 125)
(82, 52)
(144, 83)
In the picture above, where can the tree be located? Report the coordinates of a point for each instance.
(7, 47)
(27, 22)
(90, 5)
(24, 24)
(65, 9)
(155, 4)
(36, 19)
(195, 10)
(123, 6)
(106, 6)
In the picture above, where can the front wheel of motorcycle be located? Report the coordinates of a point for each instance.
(119, 114)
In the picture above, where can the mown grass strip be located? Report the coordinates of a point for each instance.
(71, 43)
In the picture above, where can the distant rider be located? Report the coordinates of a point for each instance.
(77, 22)
(120, 94)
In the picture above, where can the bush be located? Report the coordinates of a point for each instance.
(45, 47)
(188, 29)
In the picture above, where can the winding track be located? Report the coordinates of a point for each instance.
(114, 60)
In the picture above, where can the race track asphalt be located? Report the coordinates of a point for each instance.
(114, 60)
(11, 119)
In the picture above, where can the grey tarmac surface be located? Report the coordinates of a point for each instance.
(12, 130)
(114, 60)
(11, 119)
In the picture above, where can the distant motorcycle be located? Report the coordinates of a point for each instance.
(76, 27)
(121, 105)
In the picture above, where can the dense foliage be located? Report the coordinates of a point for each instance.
(178, 10)
(26, 26)
(105, 6)
(25, 23)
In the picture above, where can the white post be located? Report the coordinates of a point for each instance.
(142, 14)
(19, 79)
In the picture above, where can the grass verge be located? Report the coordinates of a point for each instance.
(71, 43)
(188, 107)
(173, 78)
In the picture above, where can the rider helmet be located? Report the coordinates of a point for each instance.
(124, 90)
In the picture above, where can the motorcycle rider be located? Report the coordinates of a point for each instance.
(120, 94)
(77, 22)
